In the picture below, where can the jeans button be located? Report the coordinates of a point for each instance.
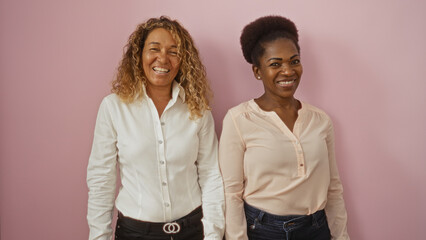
(288, 224)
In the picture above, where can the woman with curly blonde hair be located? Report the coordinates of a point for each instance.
(157, 128)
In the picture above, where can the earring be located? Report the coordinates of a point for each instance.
(258, 77)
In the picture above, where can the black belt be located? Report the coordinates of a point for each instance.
(173, 227)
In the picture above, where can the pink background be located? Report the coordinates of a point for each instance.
(364, 62)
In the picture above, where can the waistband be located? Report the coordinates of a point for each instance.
(288, 222)
(174, 227)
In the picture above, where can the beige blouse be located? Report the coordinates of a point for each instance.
(281, 172)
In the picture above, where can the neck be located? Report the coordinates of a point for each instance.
(159, 93)
(270, 103)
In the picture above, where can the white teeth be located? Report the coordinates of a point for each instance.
(161, 70)
(282, 83)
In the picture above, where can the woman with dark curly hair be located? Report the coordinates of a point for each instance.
(157, 128)
(276, 153)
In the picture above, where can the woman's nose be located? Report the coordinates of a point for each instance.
(162, 57)
(286, 69)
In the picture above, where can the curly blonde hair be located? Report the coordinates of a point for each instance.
(191, 76)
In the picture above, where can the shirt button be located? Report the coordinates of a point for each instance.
(160, 142)
(297, 142)
(164, 183)
(301, 164)
(167, 204)
(162, 123)
(162, 162)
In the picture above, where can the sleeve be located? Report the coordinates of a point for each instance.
(335, 207)
(101, 176)
(210, 180)
(231, 161)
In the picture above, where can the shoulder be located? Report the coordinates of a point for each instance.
(113, 104)
(313, 108)
(239, 116)
(240, 109)
(112, 99)
(315, 111)
(206, 115)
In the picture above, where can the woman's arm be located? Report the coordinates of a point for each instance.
(231, 161)
(101, 176)
(210, 180)
(335, 208)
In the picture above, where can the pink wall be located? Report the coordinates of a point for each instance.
(364, 64)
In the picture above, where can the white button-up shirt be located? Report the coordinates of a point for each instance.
(168, 165)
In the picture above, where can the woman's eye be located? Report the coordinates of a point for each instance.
(295, 61)
(154, 49)
(274, 64)
(173, 53)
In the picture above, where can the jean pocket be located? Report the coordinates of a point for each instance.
(122, 231)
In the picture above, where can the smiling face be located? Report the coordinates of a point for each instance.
(160, 61)
(280, 68)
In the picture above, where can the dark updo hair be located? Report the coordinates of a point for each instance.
(263, 30)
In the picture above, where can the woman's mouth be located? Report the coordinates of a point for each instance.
(160, 70)
(286, 83)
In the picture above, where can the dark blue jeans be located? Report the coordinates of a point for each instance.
(265, 226)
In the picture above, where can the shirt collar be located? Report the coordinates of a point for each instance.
(257, 108)
(177, 91)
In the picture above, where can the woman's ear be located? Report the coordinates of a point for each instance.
(256, 72)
